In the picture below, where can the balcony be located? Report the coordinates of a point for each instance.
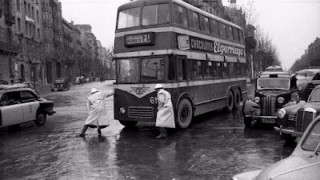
(10, 19)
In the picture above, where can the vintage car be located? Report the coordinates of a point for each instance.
(274, 90)
(307, 79)
(293, 120)
(19, 105)
(274, 68)
(60, 85)
(303, 163)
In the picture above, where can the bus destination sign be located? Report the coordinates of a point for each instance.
(139, 39)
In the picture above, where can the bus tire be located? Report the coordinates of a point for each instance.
(128, 123)
(230, 102)
(41, 118)
(237, 99)
(184, 114)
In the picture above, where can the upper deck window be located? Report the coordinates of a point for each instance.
(155, 14)
(223, 31)
(204, 22)
(129, 18)
(180, 15)
(214, 25)
(194, 20)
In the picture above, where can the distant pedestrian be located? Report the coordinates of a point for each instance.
(97, 117)
(165, 114)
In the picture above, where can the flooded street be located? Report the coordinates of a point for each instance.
(216, 146)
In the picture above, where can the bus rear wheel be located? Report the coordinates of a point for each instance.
(237, 99)
(128, 123)
(230, 102)
(184, 114)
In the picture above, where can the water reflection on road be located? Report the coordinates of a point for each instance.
(216, 146)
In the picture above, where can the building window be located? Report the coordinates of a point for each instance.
(19, 25)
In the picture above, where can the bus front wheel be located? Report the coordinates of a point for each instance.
(184, 114)
(128, 123)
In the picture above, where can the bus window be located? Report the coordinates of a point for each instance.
(194, 20)
(152, 69)
(180, 15)
(204, 22)
(182, 69)
(222, 31)
(171, 70)
(229, 33)
(206, 70)
(225, 70)
(236, 34)
(129, 18)
(219, 69)
(232, 70)
(196, 70)
(241, 37)
(155, 14)
(214, 26)
(128, 70)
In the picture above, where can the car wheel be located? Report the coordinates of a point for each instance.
(237, 99)
(184, 114)
(230, 102)
(128, 123)
(41, 118)
(247, 122)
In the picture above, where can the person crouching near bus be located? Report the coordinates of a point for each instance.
(165, 114)
(97, 117)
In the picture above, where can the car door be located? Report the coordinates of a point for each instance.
(30, 105)
(11, 109)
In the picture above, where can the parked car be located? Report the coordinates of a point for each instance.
(19, 105)
(273, 90)
(303, 163)
(293, 120)
(60, 85)
(307, 79)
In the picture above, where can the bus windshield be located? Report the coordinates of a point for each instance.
(155, 14)
(129, 18)
(143, 70)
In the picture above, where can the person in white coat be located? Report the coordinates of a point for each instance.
(165, 114)
(97, 117)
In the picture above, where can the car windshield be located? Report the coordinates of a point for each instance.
(313, 139)
(315, 95)
(273, 83)
(128, 70)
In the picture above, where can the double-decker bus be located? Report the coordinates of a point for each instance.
(198, 57)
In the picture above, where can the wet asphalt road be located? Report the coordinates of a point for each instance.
(216, 146)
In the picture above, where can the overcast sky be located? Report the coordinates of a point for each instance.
(291, 24)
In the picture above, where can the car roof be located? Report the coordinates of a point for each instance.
(274, 74)
(10, 88)
(308, 70)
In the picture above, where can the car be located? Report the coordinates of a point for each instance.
(274, 68)
(293, 120)
(273, 90)
(19, 105)
(60, 84)
(307, 79)
(303, 163)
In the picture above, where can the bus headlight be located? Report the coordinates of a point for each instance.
(122, 110)
(257, 100)
(281, 113)
(280, 100)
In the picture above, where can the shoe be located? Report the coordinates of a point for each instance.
(99, 131)
(81, 135)
(160, 136)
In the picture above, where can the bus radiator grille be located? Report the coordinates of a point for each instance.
(140, 112)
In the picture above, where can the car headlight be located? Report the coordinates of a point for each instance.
(281, 113)
(122, 110)
(280, 100)
(256, 99)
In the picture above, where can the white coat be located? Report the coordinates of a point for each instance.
(96, 110)
(165, 115)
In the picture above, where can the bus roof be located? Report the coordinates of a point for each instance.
(180, 2)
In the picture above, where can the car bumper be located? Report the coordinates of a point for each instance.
(288, 131)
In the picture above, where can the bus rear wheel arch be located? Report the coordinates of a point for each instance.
(237, 98)
(184, 113)
(230, 101)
